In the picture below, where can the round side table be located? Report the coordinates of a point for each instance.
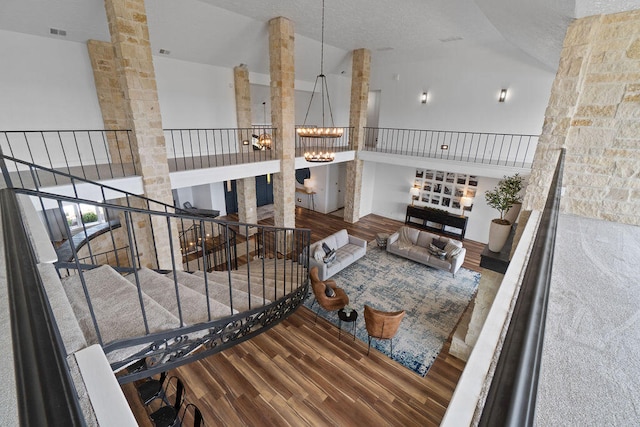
(348, 318)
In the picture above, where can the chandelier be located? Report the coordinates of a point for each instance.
(320, 133)
(262, 141)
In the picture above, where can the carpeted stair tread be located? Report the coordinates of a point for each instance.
(218, 291)
(194, 305)
(116, 306)
(72, 335)
(240, 283)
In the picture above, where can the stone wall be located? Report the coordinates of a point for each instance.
(360, 77)
(594, 112)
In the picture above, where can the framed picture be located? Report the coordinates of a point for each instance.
(425, 197)
(448, 190)
(459, 192)
(419, 173)
(439, 176)
(455, 204)
(417, 183)
(429, 174)
(437, 188)
(446, 201)
(471, 193)
(435, 199)
(473, 181)
(462, 179)
(451, 177)
(427, 186)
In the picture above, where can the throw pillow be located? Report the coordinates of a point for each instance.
(326, 248)
(434, 250)
(440, 244)
(318, 254)
(330, 257)
(328, 291)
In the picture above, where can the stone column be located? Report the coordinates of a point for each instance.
(283, 115)
(361, 72)
(134, 67)
(594, 112)
(246, 188)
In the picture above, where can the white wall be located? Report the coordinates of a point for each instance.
(463, 93)
(194, 95)
(392, 184)
(46, 84)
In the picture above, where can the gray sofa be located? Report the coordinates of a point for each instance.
(348, 250)
(416, 247)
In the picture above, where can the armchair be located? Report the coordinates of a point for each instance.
(336, 302)
(381, 324)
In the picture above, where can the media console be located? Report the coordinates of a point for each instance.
(440, 218)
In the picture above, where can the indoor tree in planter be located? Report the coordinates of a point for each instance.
(502, 198)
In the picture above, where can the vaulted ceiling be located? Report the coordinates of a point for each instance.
(230, 32)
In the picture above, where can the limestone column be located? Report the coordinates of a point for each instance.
(281, 63)
(111, 100)
(246, 188)
(361, 73)
(134, 67)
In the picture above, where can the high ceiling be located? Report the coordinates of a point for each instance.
(230, 32)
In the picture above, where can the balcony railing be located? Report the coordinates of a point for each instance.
(475, 147)
(91, 154)
(189, 149)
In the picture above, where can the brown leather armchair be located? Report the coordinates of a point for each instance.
(328, 303)
(381, 324)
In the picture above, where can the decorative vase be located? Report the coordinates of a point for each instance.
(498, 235)
(513, 212)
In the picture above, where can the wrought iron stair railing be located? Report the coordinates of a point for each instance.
(275, 260)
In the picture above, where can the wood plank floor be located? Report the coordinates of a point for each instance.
(299, 374)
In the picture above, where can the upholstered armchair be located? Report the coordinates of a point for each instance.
(381, 324)
(329, 303)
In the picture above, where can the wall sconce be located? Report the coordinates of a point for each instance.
(415, 192)
(423, 97)
(268, 178)
(228, 186)
(503, 95)
(444, 147)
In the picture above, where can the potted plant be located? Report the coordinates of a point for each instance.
(513, 185)
(502, 199)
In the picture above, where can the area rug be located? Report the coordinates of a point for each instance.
(433, 299)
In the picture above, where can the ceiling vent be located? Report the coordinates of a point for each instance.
(164, 52)
(58, 32)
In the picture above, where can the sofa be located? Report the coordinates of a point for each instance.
(427, 248)
(348, 249)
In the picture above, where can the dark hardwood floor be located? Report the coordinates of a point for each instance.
(299, 374)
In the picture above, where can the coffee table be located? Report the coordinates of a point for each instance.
(348, 318)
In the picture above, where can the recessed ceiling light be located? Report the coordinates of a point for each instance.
(451, 39)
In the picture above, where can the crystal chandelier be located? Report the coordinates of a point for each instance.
(320, 133)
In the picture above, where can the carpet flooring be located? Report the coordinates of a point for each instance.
(590, 369)
(433, 300)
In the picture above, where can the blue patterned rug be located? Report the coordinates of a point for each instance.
(433, 299)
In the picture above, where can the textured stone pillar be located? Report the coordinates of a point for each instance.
(111, 100)
(134, 67)
(283, 116)
(360, 76)
(594, 112)
(246, 188)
